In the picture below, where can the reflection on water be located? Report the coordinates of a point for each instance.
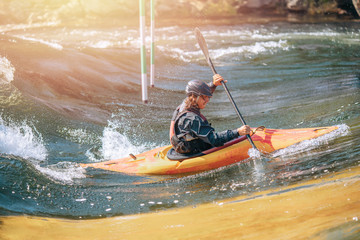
(313, 209)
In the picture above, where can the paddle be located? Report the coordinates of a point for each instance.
(202, 43)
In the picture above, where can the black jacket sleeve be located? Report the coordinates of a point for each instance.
(194, 127)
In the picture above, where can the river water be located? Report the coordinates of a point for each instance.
(72, 95)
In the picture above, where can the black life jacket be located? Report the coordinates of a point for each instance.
(185, 143)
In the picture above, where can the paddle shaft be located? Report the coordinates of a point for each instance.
(204, 48)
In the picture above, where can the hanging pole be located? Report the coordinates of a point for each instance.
(143, 52)
(152, 68)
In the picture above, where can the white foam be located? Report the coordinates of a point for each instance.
(294, 35)
(313, 143)
(47, 43)
(64, 172)
(100, 44)
(11, 27)
(257, 48)
(103, 39)
(181, 54)
(6, 71)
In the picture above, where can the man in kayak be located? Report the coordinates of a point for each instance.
(190, 132)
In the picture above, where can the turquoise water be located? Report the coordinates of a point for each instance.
(72, 95)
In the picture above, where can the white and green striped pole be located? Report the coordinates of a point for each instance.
(152, 68)
(143, 52)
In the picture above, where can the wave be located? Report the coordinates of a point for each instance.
(24, 141)
(64, 172)
(86, 73)
(186, 56)
(76, 83)
(274, 33)
(257, 48)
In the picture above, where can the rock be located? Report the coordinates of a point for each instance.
(297, 5)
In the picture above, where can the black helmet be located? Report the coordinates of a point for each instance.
(198, 88)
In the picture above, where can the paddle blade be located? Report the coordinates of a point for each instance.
(202, 43)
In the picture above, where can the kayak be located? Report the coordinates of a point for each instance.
(157, 162)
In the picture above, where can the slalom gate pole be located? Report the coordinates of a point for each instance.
(152, 68)
(143, 52)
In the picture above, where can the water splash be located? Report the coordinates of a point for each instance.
(78, 135)
(21, 140)
(6, 71)
(254, 153)
(115, 144)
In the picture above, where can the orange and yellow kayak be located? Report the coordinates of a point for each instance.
(156, 162)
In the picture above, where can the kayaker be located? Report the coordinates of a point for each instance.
(190, 132)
